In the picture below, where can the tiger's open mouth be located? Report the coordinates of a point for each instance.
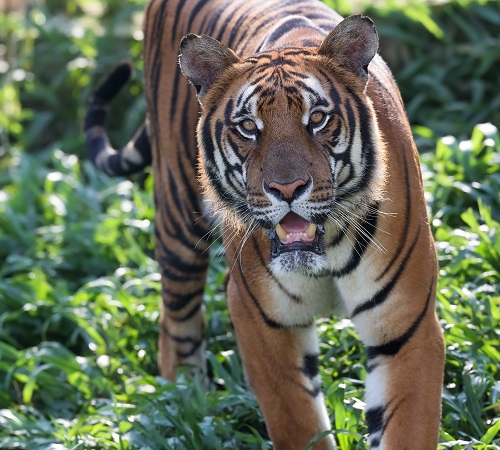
(294, 233)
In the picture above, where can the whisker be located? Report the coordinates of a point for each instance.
(243, 241)
(362, 232)
(346, 234)
(361, 219)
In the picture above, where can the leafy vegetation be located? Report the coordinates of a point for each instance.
(79, 288)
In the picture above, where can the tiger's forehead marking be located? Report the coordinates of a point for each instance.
(279, 67)
(314, 85)
(278, 58)
(308, 89)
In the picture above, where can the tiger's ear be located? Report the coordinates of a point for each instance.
(353, 43)
(203, 60)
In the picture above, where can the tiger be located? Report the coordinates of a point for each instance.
(279, 120)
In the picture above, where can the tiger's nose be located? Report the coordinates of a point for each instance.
(287, 191)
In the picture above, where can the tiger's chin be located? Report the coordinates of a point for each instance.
(299, 262)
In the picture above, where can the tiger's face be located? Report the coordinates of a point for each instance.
(289, 145)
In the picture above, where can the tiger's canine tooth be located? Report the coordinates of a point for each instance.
(281, 232)
(311, 230)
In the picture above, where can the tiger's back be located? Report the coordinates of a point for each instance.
(304, 149)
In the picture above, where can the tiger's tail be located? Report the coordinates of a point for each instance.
(136, 155)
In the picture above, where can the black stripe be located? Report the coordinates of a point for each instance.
(180, 200)
(215, 17)
(293, 297)
(310, 366)
(180, 339)
(313, 392)
(194, 12)
(276, 16)
(191, 352)
(391, 415)
(381, 295)
(188, 315)
(371, 366)
(270, 12)
(175, 91)
(383, 86)
(392, 347)
(179, 204)
(267, 320)
(206, 138)
(167, 273)
(188, 133)
(211, 168)
(229, 168)
(157, 60)
(339, 237)
(368, 152)
(239, 25)
(285, 27)
(171, 258)
(168, 219)
(196, 343)
(176, 19)
(369, 224)
(375, 419)
(180, 300)
(404, 234)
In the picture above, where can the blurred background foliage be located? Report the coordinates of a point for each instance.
(51, 55)
(79, 287)
(445, 56)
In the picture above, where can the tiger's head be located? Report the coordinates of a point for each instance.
(288, 139)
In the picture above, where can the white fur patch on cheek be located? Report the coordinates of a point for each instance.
(342, 142)
(357, 150)
(333, 164)
(244, 174)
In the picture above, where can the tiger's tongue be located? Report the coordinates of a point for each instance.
(294, 228)
(293, 223)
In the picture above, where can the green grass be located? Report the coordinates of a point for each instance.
(79, 287)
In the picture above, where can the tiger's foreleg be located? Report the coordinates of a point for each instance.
(282, 366)
(404, 376)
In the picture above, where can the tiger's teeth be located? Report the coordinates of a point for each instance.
(311, 230)
(280, 232)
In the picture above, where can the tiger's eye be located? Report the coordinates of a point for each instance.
(248, 125)
(316, 117)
